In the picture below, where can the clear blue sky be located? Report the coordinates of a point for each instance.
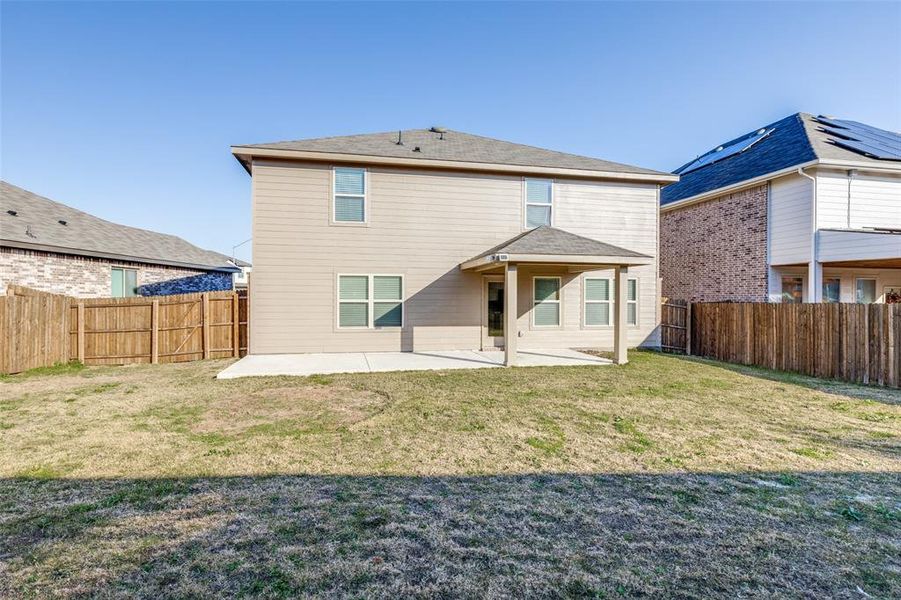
(128, 110)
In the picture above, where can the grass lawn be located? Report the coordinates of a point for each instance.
(666, 477)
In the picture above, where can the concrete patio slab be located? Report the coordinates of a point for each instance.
(261, 365)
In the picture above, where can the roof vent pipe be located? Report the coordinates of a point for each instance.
(400, 138)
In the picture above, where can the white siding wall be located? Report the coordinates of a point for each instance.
(422, 224)
(857, 245)
(791, 200)
(875, 200)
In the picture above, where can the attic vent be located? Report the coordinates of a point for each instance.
(417, 149)
(11, 213)
(62, 222)
(437, 129)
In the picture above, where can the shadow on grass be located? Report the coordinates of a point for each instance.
(549, 535)
(885, 395)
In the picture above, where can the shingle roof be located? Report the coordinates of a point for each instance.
(553, 241)
(36, 224)
(795, 140)
(456, 146)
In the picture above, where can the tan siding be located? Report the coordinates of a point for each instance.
(422, 224)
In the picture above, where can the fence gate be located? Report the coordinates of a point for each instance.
(674, 328)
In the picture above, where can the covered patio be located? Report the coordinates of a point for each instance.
(551, 247)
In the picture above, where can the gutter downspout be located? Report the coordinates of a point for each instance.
(814, 270)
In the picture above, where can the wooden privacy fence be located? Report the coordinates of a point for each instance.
(33, 330)
(859, 343)
(42, 329)
(674, 319)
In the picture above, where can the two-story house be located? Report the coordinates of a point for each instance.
(806, 209)
(440, 240)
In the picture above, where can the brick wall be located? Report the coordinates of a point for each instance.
(716, 250)
(86, 277)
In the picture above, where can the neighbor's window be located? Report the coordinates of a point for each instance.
(597, 301)
(866, 291)
(546, 301)
(350, 195)
(367, 301)
(832, 290)
(539, 202)
(792, 290)
(124, 283)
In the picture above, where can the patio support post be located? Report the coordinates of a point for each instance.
(620, 341)
(511, 333)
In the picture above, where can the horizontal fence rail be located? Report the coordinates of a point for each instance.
(859, 343)
(38, 329)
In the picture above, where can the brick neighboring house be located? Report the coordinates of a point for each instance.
(55, 248)
(801, 210)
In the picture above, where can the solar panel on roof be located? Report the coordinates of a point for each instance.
(864, 139)
(721, 152)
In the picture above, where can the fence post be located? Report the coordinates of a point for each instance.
(155, 332)
(688, 328)
(80, 317)
(236, 342)
(205, 301)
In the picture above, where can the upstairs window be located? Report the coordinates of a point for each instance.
(539, 202)
(350, 195)
(370, 301)
(124, 283)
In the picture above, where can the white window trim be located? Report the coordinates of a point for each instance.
(803, 286)
(876, 295)
(365, 196)
(635, 302)
(611, 282)
(123, 268)
(586, 302)
(526, 204)
(371, 301)
(558, 301)
(826, 278)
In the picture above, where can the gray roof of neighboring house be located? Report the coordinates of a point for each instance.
(553, 241)
(36, 224)
(795, 140)
(456, 146)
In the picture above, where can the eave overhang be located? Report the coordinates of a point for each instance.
(246, 154)
(114, 257)
(492, 261)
